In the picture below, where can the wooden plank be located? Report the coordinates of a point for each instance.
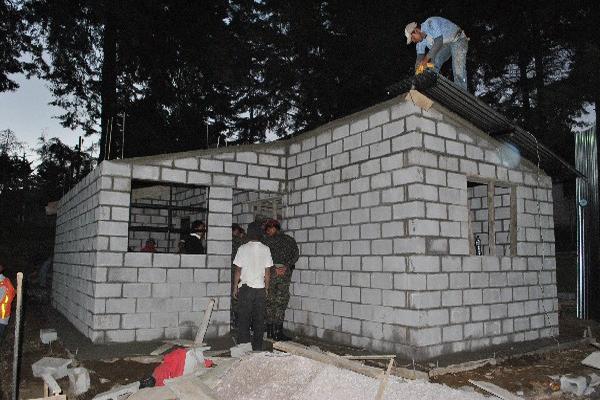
(205, 321)
(463, 367)
(341, 362)
(491, 189)
(51, 384)
(383, 381)
(154, 393)
(513, 221)
(371, 357)
(495, 390)
(57, 397)
(419, 99)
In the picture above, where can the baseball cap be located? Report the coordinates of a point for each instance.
(408, 31)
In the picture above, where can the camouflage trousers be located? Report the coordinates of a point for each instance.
(278, 297)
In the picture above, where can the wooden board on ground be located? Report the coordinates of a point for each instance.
(495, 390)
(190, 388)
(463, 367)
(57, 397)
(370, 357)
(341, 362)
(593, 360)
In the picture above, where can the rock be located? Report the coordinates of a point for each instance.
(573, 384)
(48, 336)
(55, 367)
(240, 350)
(79, 378)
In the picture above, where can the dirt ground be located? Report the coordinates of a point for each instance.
(117, 364)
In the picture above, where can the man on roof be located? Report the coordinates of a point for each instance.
(444, 39)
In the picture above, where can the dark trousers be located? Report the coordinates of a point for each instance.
(251, 309)
(2, 329)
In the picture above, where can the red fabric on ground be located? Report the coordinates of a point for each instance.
(171, 367)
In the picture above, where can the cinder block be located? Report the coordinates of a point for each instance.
(121, 274)
(133, 321)
(120, 306)
(137, 290)
(423, 227)
(424, 300)
(472, 296)
(410, 281)
(152, 275)
(426, 336)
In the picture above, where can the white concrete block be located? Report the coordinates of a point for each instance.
(48, 336)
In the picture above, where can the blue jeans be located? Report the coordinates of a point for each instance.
(458, 51)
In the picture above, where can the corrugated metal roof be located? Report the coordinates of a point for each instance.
(472, 109)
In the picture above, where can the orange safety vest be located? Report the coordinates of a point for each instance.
(6, 301)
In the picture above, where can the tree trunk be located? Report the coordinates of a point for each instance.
(524, 87)
(108, 90)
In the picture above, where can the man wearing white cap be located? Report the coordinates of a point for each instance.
(444, 39)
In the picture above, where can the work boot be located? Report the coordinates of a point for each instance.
(279, 335)
(269, 329)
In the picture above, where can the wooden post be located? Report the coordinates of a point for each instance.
(17, 335)
(513, 221)
(205, 321)
(491, 191)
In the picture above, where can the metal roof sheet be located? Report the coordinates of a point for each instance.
(472, 109)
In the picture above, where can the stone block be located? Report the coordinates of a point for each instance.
(55, 367)
(120, 306)
(48, 336)
(137, 290)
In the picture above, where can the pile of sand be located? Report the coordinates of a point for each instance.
(288, 377)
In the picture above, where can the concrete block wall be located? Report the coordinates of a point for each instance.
(132, 296)
(378, 204)
(75, 249)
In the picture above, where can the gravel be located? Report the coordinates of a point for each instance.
(289, 377)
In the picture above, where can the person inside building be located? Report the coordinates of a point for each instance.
(7, 294)
(150, 246)
(444, 39)
(194, 242)
(285, 253)
(252, 263)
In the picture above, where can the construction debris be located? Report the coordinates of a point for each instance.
(463, 367)
(79, 379)
(573, 384)
(341, 362)
(301, 378)
(116, 392)
(593, 360)
(55, 367)
(48, 336)
(495, 390)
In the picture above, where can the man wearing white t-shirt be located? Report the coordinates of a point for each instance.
(250, 284)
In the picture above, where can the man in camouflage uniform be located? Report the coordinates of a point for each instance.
(285, 254)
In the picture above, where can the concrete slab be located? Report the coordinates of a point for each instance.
(593, 360)
(118, 391)
(55, 367)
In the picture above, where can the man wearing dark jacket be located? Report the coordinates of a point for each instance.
(193, 242)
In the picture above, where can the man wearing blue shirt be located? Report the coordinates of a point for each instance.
(444, 39)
